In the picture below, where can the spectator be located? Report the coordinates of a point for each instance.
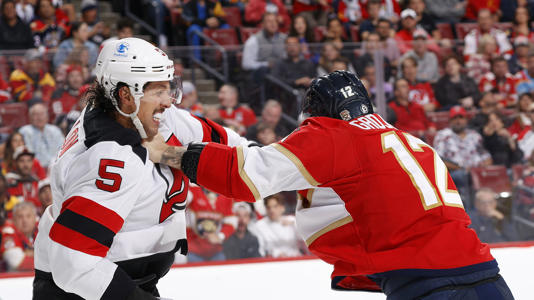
(500, 143)
(255, 10)
(95, 28)
(17, 238)
(518, 61)
(241, 244)
(5, 94)
(335, 33)
(423, 19)
(265, 134)
(369, 73)
(277, 233)
(410, 115)
(489, 223)
(521, 124)
(404, 36)
(32, 81)
(21, 181)
(461, 149)
(66, 98)
(500, 81)
(485, 26)
(25, 10)
(294, 70)
(190, 99)
(389, 9)
(262, 49)
(526, 142)
(455, 88)
(525, 78)
(125, 29)
(488, 104)
(7, 203)
(211, 221)
(14, 141)
(14, 33)
(522, 26)
(234, 115)
(200, 14)
(315, 12)
(79, 38)
(45, 194)
(427, 62)
(329, 53)
(368, 56)
(301, 29)
(48, 27)
(446, 11)
(478, 63)
(420, 92)
(348, 11)
(474, 7)
(271, 115)
(387, 42)
(371, 23)
(40, 137)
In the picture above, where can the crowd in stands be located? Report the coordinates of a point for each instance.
(458, 74)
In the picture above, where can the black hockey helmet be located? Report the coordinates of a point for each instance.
(338, 95)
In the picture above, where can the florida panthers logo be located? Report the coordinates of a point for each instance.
(176, 192)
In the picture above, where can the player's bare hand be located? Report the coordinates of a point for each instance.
(155, 146)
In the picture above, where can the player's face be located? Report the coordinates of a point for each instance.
(24, 220)
(156, 98)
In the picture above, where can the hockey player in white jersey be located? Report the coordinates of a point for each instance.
(117, 219)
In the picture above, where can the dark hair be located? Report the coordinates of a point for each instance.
(75, 26)
(397, 80)
(38, 6)
(9, 151)
(528, 13)
(308, 35)
(95, 96)
(4, 4)
(3, 214)
(449, 57)
(411, 58)
(497, 59)
(330, 20)
(124, 23)
(381, 20)
(279, 198)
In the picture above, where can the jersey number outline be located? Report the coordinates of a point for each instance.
(104, 174)
(428, 193)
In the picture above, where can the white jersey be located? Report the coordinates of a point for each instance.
(113, 206)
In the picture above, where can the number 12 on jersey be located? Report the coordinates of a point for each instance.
(429, 195)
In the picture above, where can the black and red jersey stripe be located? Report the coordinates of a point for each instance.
(86, 226)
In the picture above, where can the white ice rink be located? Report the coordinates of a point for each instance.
(301, 279)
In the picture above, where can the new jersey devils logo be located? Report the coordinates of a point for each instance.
(176, 192)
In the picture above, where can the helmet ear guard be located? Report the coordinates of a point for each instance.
(339, 95)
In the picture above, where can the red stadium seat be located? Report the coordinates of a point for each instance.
(440, 118)
(232, 16)
(246, 32)
(355, 34)
(446, 31)
(494, 177)
(14, 114)
(225, 37)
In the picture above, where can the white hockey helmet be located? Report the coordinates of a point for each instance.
(134, 62)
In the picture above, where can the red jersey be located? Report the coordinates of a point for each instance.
(24, 87)
(505, 86)
(62, 104)
(373, 199)
(242, 114)
(13, 245)
(5, 95)
(411, 118)
(474, 6)
(422, 93)
(208, 215)
(26, 191)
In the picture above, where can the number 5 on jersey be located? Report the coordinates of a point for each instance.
(115, 178)
(429, 196)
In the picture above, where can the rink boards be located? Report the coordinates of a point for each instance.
(306, 278)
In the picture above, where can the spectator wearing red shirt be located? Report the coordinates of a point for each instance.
(234, 115)
(5, 94)
(485, 26)
(21, 182)
(475, 6)
(255, 10)
(420, 92)
(32, 81)
(410, 115)
(522, 25)
(522, 122)
(211, 221)
(14, 141)
(389, 9)
(67, 97)
(315, 12)
(500, 81)
(16, 248)
(404, 36)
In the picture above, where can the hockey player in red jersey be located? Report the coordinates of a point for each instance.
(375, 202)
(117, 219)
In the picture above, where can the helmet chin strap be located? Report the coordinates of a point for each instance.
(133, 116)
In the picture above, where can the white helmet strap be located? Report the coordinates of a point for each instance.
(133, 116)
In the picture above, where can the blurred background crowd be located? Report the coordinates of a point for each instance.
(459, 74)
